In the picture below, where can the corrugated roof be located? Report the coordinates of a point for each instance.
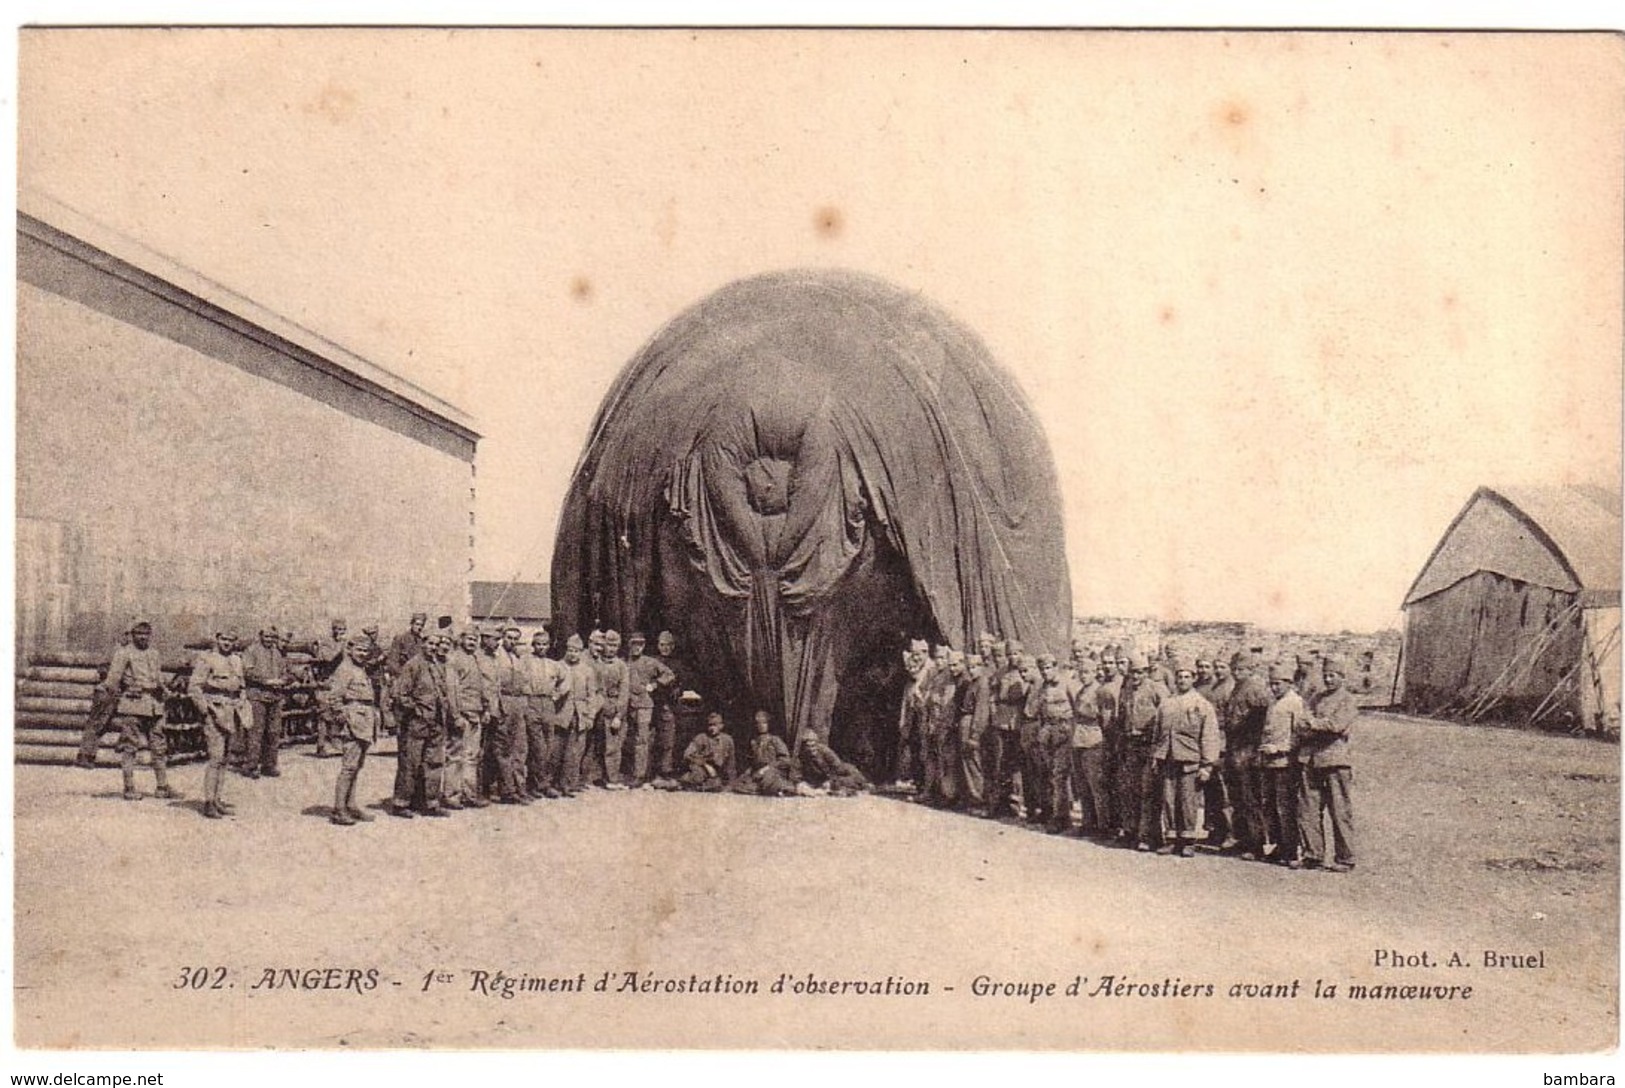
(512, 600)
(1563, 536)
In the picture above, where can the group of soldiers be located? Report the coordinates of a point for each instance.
(1159, 754)
(480, 718)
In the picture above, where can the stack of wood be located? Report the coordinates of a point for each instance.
(54, 693)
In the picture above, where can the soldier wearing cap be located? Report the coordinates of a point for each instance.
(939, 742)
(1090, 783)
(1035, 783)
(818, 765)
(351, 696)
(1051, 705)
(406, 645)
(1138, 797)
(1185, 747)
(1218, 803)
(585, 701)
(330, 650)
(709, 758)
(547, 692)
(667, 699)
(646, 679)
(1241, 720)
(136, 680)
(465, 725)
(265, 671)
(984, 645)
(1328, 777)
(616, 682)
(504, 716)
(973, 701)
(421, 701)
(1284, 722)
(1001, 747)
(103, 705)
(216, 689)
(911, 715)
(770, 773)
(513, 758)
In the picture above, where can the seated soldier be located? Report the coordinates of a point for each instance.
(709, 758)
(770, 772)
(817, 766)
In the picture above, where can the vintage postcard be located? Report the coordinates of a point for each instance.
(576, 539)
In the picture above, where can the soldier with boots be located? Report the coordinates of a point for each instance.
(350, 694)
(216, 689)
(419, 699)
(136, 679)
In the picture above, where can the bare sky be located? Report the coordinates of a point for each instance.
(1281, 301)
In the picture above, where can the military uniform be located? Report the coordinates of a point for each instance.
(648, 678)
(770, 772)
(585, 701)
(1139, 800)
(509, 740)
(1328, 777)
(615, 682)
(974, 699)
(710, 762)
(911, 723)
(495, 738)
(1051, 704)
(940, 784)
(216, 689)
(1241, 718)
(465, 688)
(420, 698)
(135, 680)
(1089, 781)
(666, 713)
(330, 722)
(351, 695)
(817, 764)
(547, 693)
(265, 670)
(1284, 721)
(1185, 747)
(1001, 744)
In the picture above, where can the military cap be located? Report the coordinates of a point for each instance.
(612, 637)
(1280, 670)
(1182, 664)
(942, 647)
(985, 636)
(512, 629)
(337, 621)
(636, 639)
(541, 632)
(1333, 663)
(471, 629)
(138, 623)
(424, 616)
(228, 633)
(975, 660)
(666, 634)
(574, 643)
(1046, 661)
(1241, 659)
(1027, 661)
(370, 629)
(919, 646)
(1203, 660)
(1014, 647)
(1138, 660)
(596, 636)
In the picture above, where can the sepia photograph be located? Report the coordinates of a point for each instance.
(903, 540)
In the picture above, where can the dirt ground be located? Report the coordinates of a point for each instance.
(1471, 839)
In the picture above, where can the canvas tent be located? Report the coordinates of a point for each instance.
(1515, 616)
(797, 475)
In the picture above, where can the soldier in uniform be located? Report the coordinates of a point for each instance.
(1284, 721)
(377, 667)
(103, 705)
(1217, 802)
(1185, 748)
(1328, 778)
(420, 700)
(612, 675)
(406, 645)
(1138, 799)
(1001, 747)
(465, 690)
(709, 758)
(1035, 783)
(500, 681)
(547, 694)
(585, 701)
(770, 773)
(136, 679)
(1089, 781)
(939, 741)
(216, 689)
(1051, 705)
(911, 722)
(818, 765)
(974, 714)
(265, 669)
(666, 699)
(331, 649)
(648, 679)
(351, 696)
(513, 759)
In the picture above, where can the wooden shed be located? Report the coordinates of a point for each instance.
(1515, 615)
